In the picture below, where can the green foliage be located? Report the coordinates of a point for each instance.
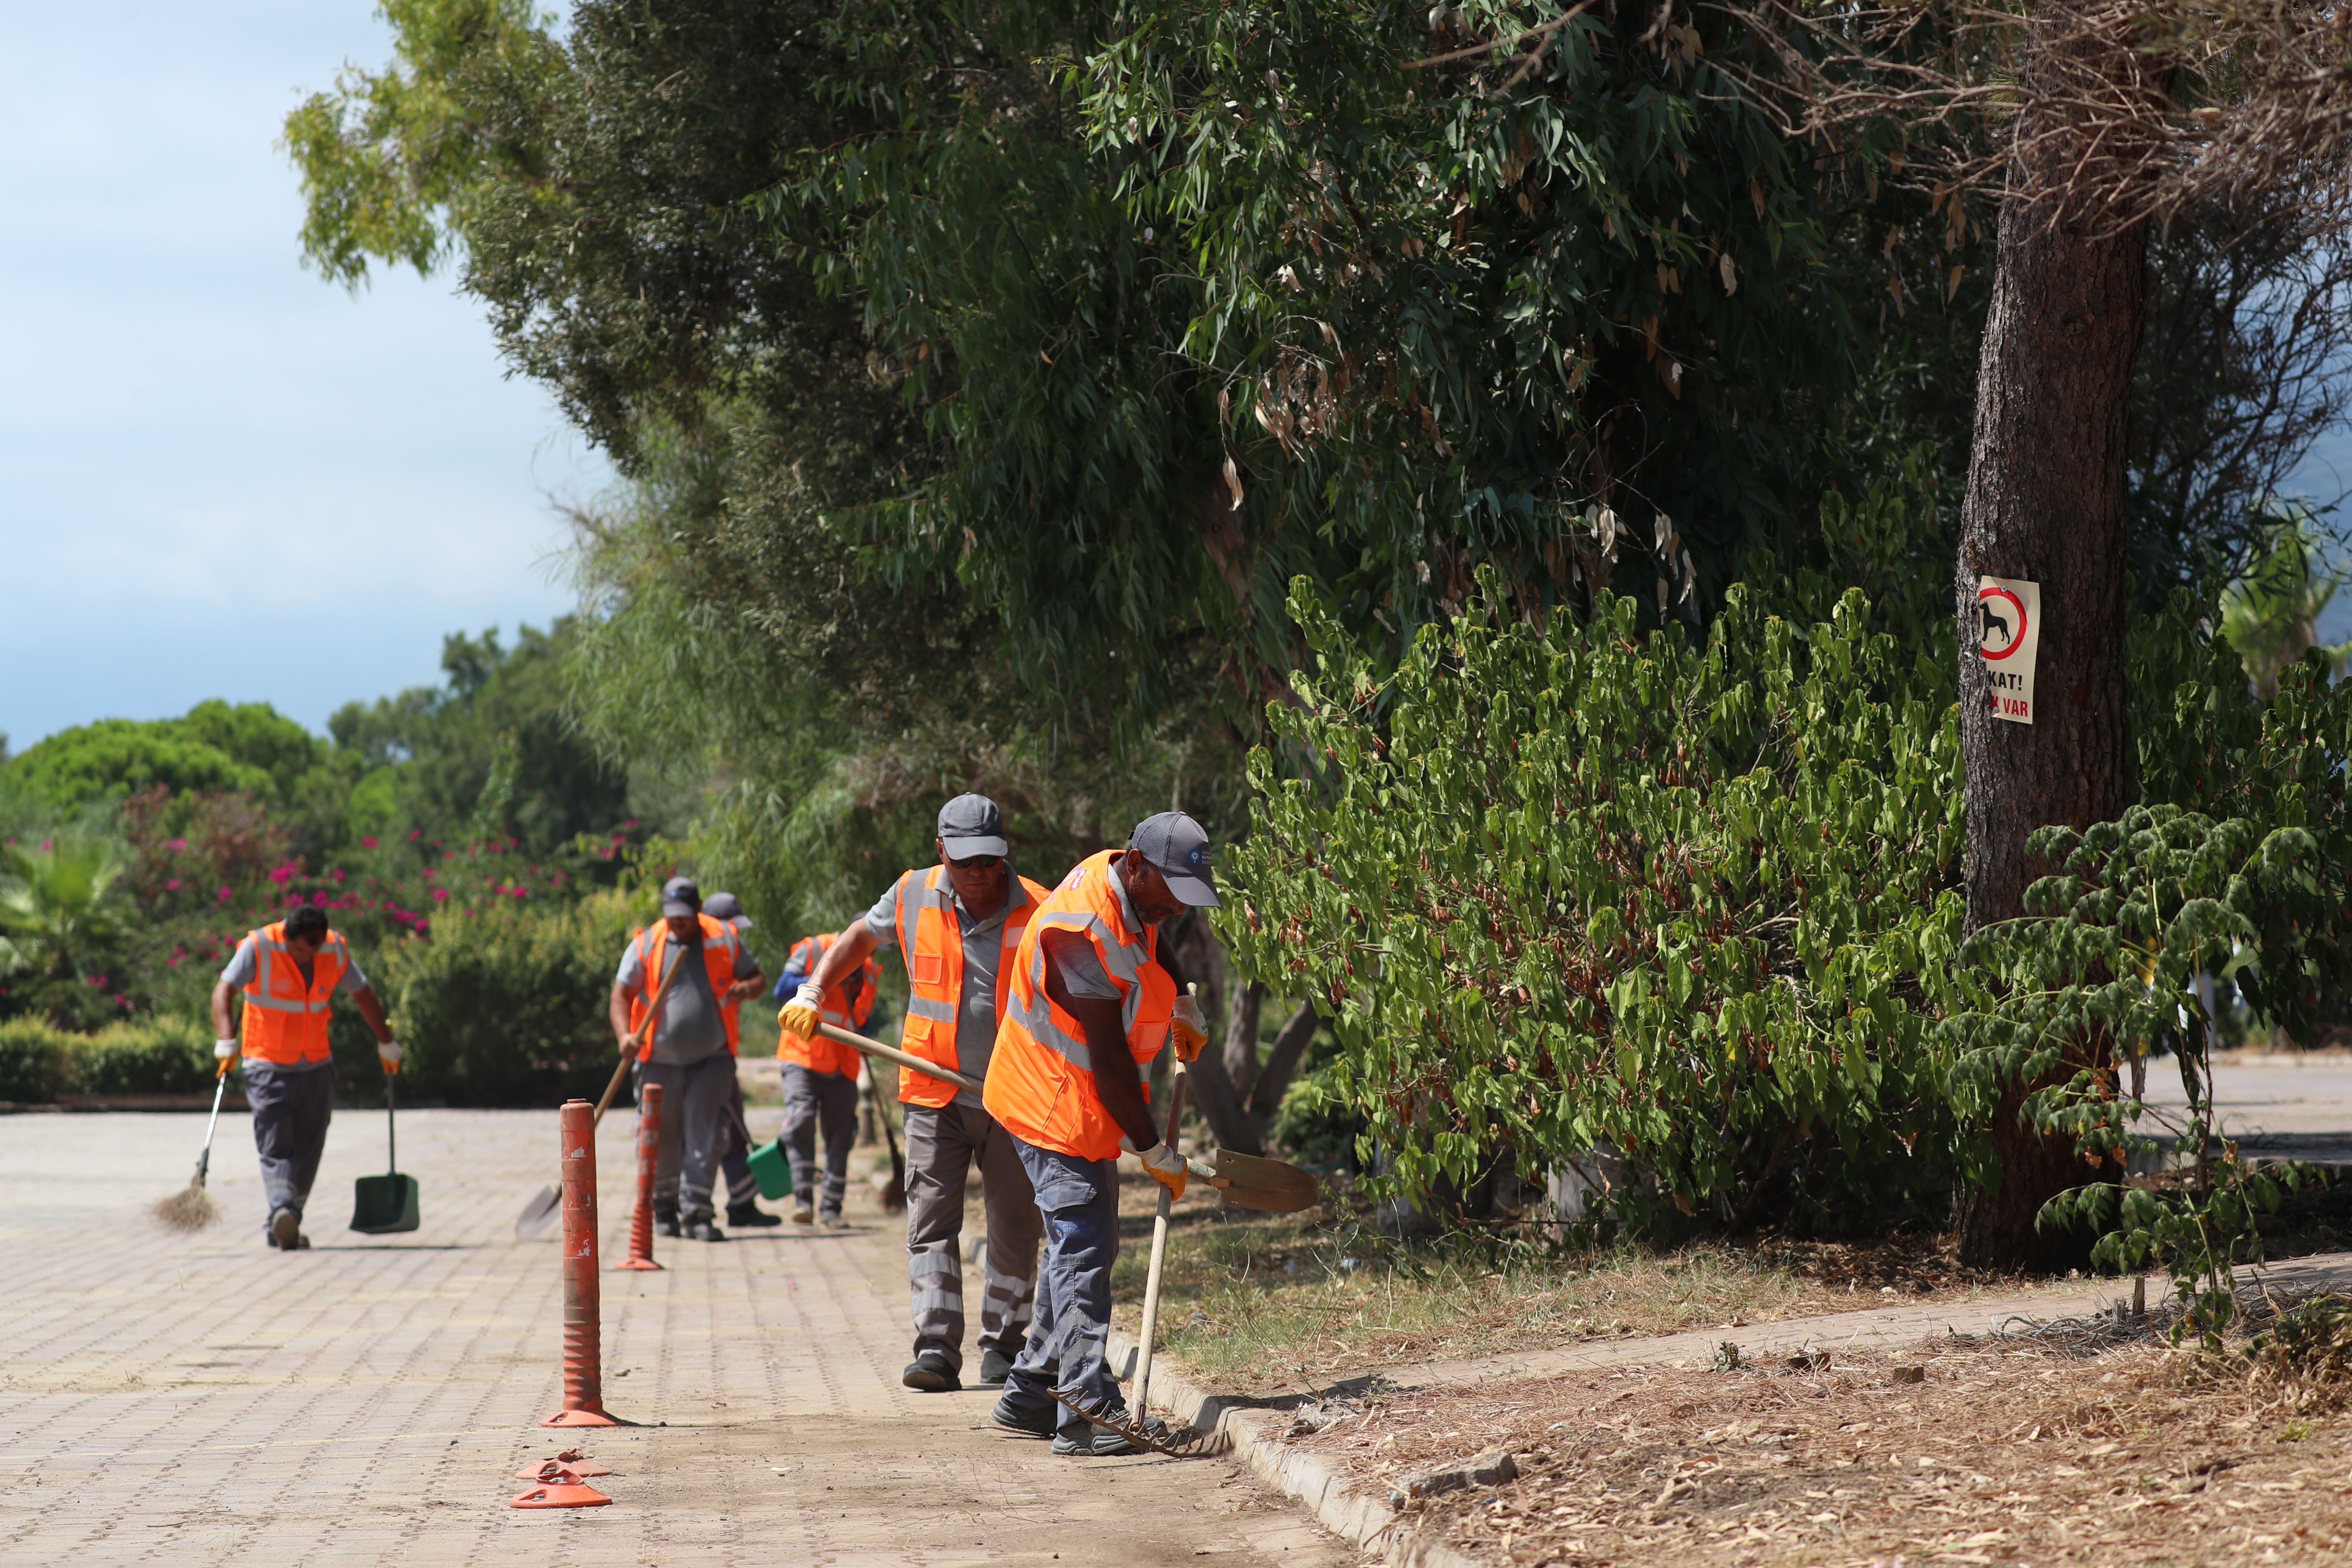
(506, 1007)
(2271, 613)
(1569, 888)
(39, 1061)
(123, 755)
(60, 904)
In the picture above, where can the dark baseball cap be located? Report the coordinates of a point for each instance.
(729, 908)
(681, 896)
(970, 824)
(1178, 846)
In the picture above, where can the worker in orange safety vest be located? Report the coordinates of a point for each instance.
(288, 975)
(957, 923)
(820, 1079)
(691, 1050)
(1089, 1005)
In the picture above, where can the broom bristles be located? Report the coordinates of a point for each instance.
(190, 1208)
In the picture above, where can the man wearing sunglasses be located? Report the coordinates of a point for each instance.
(957, 924)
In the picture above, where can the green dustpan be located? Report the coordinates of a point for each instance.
(772, 1169)
(380, 1204)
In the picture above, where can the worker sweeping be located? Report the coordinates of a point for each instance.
(1089, 1005)
(289, 974)
(820, 1079)
(743, 1210)
(957, 924)
(689, 1049)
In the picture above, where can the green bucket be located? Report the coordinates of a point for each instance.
(772, 1169)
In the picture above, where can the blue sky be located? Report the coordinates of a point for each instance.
(220, 476)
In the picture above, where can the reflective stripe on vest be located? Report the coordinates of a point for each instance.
(1040, 1083)
(821, 1054)
(286, 1016)
(931, 940)
(720, 944)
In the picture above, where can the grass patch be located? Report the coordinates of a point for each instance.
(1259, 1304)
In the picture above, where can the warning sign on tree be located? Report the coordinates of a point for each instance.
(2009, 631)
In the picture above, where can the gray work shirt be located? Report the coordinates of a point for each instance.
(244, 963)
(692, 1026)
(984, 944)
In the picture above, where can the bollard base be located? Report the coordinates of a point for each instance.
(560, 1496)
(635, 1263)
(584, 1418)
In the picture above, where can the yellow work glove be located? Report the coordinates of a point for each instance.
(1166, 1167)
(800, 1016)
(1188, 1031)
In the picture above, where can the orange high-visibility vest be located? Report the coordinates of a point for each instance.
(285, 1015)
(1040, 1084)
(821, 1054)
(720, 944)
(931, 941)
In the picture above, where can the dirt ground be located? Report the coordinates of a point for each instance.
(2070, 1452)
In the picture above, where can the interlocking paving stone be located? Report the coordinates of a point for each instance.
(204, 1399)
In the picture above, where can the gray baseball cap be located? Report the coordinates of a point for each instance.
(1178, 846)
(970, 824)
(681, 896)
(729, 908)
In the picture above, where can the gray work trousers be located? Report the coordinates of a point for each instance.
(290, 1112)
(943, 1142)
(1078, 1200)
(814, 1102)
(694, 1129)
(735, 1157)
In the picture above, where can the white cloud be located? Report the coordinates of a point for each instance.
(209, 459)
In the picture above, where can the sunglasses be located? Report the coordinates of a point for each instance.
(977, 863)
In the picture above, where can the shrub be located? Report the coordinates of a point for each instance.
(503, 1007)
(31, 1061)
(153, 1055)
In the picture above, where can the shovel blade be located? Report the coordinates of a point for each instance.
(381, 1204)
(538, 1214)
(1269, 1186)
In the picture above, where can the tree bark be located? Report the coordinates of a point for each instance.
(2046, 502)
(1282, 1063)
(1241, 1036)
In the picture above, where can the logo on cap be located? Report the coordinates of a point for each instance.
(1199, 855)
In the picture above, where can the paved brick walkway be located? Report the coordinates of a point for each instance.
(202, 1399)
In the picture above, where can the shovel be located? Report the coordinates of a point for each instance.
(381, 1204)
(539, 1212)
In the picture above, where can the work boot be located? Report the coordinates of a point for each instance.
(830, 1217)
(804, 1213)
(1102, 1443)
(285, 1230)
(666, 1219)
(931, 1372)
(700, 1228)
(995, 1367)
(1023, 1421)
(751, 1216)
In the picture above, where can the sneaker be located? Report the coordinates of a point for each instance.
(1023, 1421)
(931, 1372)
(751, 1216)
(665, 1221)
(1101, 1443)
(702, 1228)
(804, 1214)
(995, 1367)
(285, 1230)
(831, 1220)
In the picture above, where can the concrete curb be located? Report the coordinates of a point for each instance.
(1252, 1435)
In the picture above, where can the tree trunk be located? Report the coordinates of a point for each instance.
(1282, 1063)
(1241, 1036)
(2046, 503)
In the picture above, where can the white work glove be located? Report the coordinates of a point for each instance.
(1166, 1167)
(389, 1054)
(223, 1049)
(1188, 1031)
(800, 1016)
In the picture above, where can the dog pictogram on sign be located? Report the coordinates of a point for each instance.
(2009, 634)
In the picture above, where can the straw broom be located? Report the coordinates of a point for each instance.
(192, 1207)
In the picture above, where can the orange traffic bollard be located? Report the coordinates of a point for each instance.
(583, 1307)
(559, 1487)
(641, 1223)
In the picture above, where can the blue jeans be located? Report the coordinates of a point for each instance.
(1079, 1201)
(290, 1112)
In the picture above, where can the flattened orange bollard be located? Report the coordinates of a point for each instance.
(583, 1305)
(558, 1488)
(641, 1222)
